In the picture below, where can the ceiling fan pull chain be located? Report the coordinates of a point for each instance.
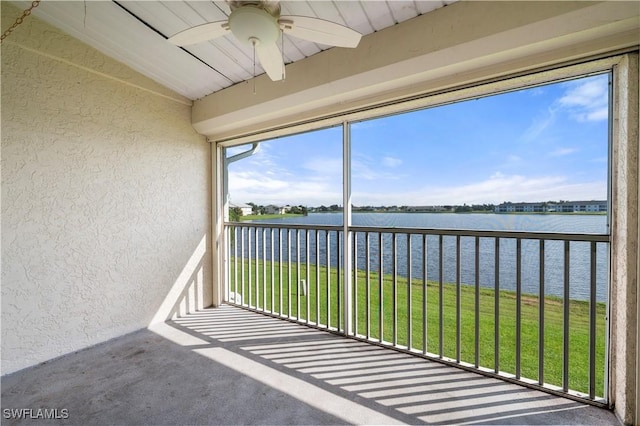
(20, 19)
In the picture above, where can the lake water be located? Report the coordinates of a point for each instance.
(554, 250)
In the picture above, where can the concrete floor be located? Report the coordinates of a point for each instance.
(230, 366)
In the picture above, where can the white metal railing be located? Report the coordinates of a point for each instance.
(527, 307)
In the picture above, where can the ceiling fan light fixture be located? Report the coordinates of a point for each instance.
(249, 24)
(259, 24)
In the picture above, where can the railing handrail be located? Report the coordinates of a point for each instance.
(523, 235)
(285, 226)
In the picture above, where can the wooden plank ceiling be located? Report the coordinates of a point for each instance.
(135, 32)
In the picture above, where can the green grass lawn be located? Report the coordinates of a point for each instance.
(263, 290)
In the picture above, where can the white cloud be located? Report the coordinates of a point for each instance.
(257, 182)
(265, 188)
(587, 100)
(584, 100)
(559, 152)
(598, 115)
(495, 189)
(539, 125)
(391, 162)
(324, 165)
(365, 168)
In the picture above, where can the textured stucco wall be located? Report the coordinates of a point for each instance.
(105, 198)
(624, 247)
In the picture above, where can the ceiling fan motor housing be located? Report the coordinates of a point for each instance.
(250, 23)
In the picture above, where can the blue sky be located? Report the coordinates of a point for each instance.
(543, 143)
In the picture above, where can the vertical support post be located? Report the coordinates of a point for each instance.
(622, 385)
(368, 286)
(440, 295)
(425, 333)
(264, 268)
(477, 302)
(307, 275)
(328, 263)
(565, 319)
(243, 233)
(354, 286)
(409, 295)
(229, 266)
(346, 223)
(496, 308)
(249, 267)
(298, 274)
(394, 293)
(289, 273)
(458, 298)
(218, 170)
(257, 267)
(317, 308)
(518, 306)
(380, 288)
(541, 299)
(592, 323)
(338, 281)
(280, 278)
(272, 308)
(235, 263)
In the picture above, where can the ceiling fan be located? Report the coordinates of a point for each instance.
(259, 24)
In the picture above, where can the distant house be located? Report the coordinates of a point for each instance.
(505, 208)
(245, 208)
(273, 209)
(549, 207)
(522, 208)
(582, 206)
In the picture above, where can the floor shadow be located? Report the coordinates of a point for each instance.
(407, 388)
(143, 378)
(232, 366)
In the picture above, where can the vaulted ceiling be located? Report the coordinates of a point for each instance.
(409, 48)
(136, 32)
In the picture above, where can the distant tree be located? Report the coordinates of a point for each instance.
(323, 209)
(254, 208)
(298, 210)
(334, 207)
(463, 209)
(234, 214)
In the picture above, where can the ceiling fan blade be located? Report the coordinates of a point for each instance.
(200, 33)
(320, 31)
(271, 60)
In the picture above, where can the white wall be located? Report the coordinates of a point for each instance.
(105, 198)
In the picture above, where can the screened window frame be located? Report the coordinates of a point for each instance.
(622, 66)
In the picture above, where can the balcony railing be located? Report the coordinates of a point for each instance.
(527, 307)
